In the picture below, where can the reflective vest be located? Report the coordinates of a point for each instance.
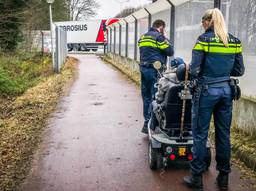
(210, 57)
(154, 47)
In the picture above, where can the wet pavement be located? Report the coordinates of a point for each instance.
(93, 141)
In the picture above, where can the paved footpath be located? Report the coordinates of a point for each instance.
(93, 141)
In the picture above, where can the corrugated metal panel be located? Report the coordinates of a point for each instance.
(140, 13)
(153, 8)
(158, 6)
(162, 5)
(129, 18)
(179, 2)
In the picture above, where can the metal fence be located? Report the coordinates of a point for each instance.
(61, 50)
(183, 19)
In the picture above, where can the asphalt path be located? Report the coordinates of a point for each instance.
(93, 141)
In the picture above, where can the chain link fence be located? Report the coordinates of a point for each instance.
(42, 43)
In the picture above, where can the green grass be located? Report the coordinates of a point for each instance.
(20, 71)
(23, 118)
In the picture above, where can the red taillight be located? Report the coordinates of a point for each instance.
(172, 157)
(190, 157)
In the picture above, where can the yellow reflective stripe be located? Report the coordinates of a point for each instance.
(239, 50)
(198, 46)
(224, 50)
(164, 42)
(146, 37)
(218, 44)
(221, 44)
(148, 40)
(153, 43)
(164, 46)
(202, 43)
(215, 49)
(152, 39)
(149, 44)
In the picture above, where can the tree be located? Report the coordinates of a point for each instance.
(37, 13)
(80, 9)
(10, 21)
(19, 18)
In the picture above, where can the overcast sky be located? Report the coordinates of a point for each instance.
(109, 8)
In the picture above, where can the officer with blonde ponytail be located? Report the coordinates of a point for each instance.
(216, 56)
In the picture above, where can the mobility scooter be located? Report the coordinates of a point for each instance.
(169, 129)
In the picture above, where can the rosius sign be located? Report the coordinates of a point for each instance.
(75, 27)
(85, 35)
(81, 31)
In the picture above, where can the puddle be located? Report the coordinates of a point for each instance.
(92, 84)
(98, 103)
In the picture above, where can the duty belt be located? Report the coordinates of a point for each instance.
(206, 82)
(215, 85)
(146, 64)
(215, 82)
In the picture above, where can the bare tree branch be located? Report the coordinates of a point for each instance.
(81, 9)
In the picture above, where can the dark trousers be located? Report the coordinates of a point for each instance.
(148, 90)
(216, 101)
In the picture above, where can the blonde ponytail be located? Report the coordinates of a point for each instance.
(217, 20)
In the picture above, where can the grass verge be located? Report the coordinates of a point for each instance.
(23, 121)
(135, 76)
(244, 147)
(20, 71)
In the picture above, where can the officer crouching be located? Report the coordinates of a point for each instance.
(154, 46)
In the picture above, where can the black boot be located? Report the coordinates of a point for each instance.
(222, 181)
(194, 181)
(145, 128)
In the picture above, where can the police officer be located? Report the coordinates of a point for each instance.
(154, 46)
(216, 56)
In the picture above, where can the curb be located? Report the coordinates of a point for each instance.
(243, 156)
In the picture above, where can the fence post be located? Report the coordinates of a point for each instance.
(60, 47)
(120, 38)
(57, 50)
(58, 53)
(114, 47)
(42, 34)
(217, 4)
(135, 37)
(149, 18)
(126, 38)
(172, 22)
(110, 40)
(172, 30)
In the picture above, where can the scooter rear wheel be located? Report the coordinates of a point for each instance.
(155, 158)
